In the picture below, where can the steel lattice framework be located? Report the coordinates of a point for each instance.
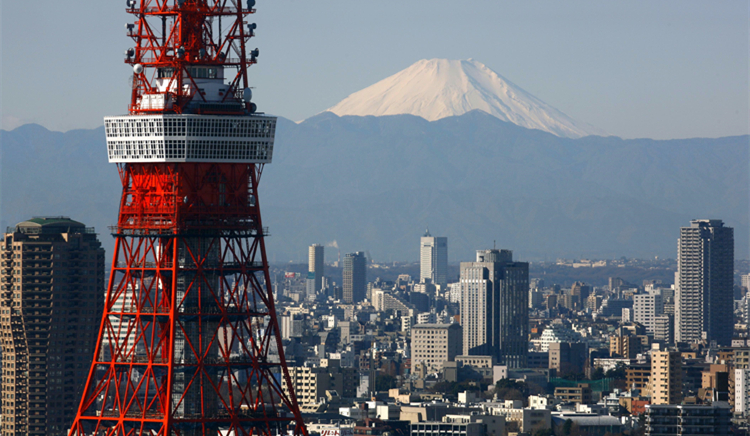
(189, 343)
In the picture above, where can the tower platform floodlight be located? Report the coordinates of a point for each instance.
(189, 342)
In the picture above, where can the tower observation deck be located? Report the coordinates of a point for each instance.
(189, 343)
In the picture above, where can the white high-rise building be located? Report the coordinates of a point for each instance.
(704, 299)
(433, 259)
(742, 391)
(646, 307)
(315, 266)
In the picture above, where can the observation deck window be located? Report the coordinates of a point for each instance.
(163, 73)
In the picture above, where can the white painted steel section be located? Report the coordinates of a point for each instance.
(190, 138)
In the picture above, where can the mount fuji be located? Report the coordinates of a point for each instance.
(440, 88)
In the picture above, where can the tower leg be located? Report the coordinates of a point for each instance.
(190, 344)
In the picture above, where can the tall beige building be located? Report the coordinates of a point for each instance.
(52, 300)
(666, 377)
(435, 344)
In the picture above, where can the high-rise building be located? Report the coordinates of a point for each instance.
(663, 329)
(52, 302)
(646, 307)
(314, 270)
(355, 277)
(704, 296)
(666, 377)
(433, 259)
(495, 307)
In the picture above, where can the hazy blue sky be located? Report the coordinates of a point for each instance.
(665, 69)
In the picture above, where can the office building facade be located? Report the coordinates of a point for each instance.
(355, 277)
(433, 259)
(315, 270)
(494, 307)
(646, 307)
(435, 344)
(704, 296)
(52, 302)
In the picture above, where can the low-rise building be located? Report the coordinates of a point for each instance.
(537, 359)
(580, 394)
(678, 420)
(461, 425)
(627, 346)
(526, 420)
(311, 383)
(638, 376)
(589, 423)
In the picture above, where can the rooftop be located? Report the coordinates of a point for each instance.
(434, 326)
(50, 224)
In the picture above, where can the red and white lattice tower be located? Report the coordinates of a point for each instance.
(189, 342)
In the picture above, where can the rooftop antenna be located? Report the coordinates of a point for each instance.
(494, 244)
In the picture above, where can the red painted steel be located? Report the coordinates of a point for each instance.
(173, 35)
(189, 343)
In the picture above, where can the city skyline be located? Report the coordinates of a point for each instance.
(192, 328)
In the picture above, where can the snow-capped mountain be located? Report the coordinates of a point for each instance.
(439, 88)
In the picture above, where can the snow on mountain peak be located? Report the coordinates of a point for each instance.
(439, 88)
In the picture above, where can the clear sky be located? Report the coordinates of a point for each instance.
(665, 69)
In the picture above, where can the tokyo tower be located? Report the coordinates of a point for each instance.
(189, 343)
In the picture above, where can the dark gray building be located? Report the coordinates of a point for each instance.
(355, 277)
(704, 288)
(495, 307)
(52, 301)
(672, 420)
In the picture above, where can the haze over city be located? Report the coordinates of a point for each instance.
(478, 219)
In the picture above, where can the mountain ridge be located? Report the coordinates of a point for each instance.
(373, 183)
(440, 88)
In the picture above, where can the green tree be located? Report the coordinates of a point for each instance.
(384, 382)
(507, 389)
(598, 374)
(567, 427)
(617, 372)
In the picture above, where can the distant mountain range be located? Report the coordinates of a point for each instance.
(440, 88)
(374, 183)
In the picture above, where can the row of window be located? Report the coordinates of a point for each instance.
(209, 150)
(129, 127)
